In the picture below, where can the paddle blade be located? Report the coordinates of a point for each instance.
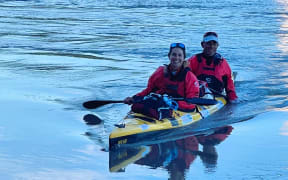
(201, 101)
(92, 119)
(97, 103)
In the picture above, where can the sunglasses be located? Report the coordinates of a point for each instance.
(181, 45)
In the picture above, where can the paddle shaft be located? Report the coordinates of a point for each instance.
(97, 103)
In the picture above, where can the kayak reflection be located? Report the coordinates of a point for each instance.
(175, 156)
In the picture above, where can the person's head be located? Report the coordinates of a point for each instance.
(177, 55)
(210, 43)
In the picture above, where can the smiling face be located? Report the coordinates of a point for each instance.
(176, 58)
(209, 48)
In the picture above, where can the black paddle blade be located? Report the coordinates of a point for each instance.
(92, 119)
(201, 101)
(97, 103)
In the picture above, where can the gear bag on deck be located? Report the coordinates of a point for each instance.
(155, 105)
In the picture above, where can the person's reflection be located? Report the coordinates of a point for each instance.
(209, 155)
(187, 152)
(177, 156)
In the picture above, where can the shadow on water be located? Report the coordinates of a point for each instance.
(174, 156)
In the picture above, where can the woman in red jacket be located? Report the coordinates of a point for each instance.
(211, 67)
(174, 80)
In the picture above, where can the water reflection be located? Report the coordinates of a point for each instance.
(174, 156)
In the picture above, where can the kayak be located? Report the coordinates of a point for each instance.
(137, 127)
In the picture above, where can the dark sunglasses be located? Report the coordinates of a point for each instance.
(181, 45)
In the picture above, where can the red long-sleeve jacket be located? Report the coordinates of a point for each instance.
(218, 74)
(183, 84)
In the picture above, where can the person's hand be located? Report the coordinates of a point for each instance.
(128, 100)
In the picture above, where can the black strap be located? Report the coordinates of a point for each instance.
(199, 59)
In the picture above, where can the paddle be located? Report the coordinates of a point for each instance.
(200, 101)
(97, 103)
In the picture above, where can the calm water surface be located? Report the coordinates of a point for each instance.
(57, 54)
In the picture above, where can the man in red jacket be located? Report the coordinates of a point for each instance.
(211, 67)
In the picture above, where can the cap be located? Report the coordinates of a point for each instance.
(210, 38)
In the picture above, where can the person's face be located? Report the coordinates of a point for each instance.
(209, 48)
(176, 58)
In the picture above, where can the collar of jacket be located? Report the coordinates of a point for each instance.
(179, 76)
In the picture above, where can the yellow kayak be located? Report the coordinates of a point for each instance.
(138, 127)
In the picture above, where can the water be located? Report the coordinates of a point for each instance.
(57, 54)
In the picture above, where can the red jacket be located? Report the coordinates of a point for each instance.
(184, 84)
(218, 77)
(186, 147)
(217, 137)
